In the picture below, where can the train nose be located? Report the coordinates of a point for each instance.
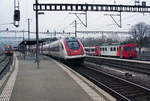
(75, 52)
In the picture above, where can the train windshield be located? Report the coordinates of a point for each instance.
(73, 45)
(7, 49)
(129, 48)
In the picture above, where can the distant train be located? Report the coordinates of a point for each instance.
(8, 50)
(66, 49)
(1, 51)
(116, 50)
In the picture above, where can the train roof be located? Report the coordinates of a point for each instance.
(112, 45)
(117, 44)
(70, 39)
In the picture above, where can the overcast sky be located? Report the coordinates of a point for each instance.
(59, 21)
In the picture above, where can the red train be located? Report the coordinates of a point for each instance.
(116, 50)
(8, 50)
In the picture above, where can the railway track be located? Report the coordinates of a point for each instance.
(140, 67)
(121, 89)
(5, 65)
(2, 58)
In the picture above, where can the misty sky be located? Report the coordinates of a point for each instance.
(59, 21)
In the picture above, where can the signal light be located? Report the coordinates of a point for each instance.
(17, 15)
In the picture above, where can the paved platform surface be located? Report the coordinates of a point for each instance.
(49, 83)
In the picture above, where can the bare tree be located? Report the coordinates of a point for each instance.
(139, 33)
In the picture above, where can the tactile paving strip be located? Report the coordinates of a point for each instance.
(6, 93)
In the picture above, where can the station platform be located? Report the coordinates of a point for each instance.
(48, 83)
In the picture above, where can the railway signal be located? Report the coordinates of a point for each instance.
(16, 13)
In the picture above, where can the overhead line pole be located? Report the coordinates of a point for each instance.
(28, 28)
(75, 28)
(86, 17)
(120, 15)
(84, 24)
(23, 35)
(37, 35)
(76, 14)
(120, 20)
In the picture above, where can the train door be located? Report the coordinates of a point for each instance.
(98, 51)
(88, 51)
(92, 51)
(121, 49)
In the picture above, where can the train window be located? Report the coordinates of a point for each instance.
(86, 49)
(73, 45)
(129, 49)
(133, 48)
(114, 48)
(92, 49)
(111, 49)
(105, 49)
(125, 48)
(7, 49)
(62, 46)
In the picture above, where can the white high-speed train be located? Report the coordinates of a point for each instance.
(67, 49)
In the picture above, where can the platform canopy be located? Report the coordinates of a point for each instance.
(33, 42)
(29, 42)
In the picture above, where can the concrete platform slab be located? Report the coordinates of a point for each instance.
(49, 83)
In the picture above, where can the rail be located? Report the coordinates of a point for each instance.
(121, 89)
(4, 65)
